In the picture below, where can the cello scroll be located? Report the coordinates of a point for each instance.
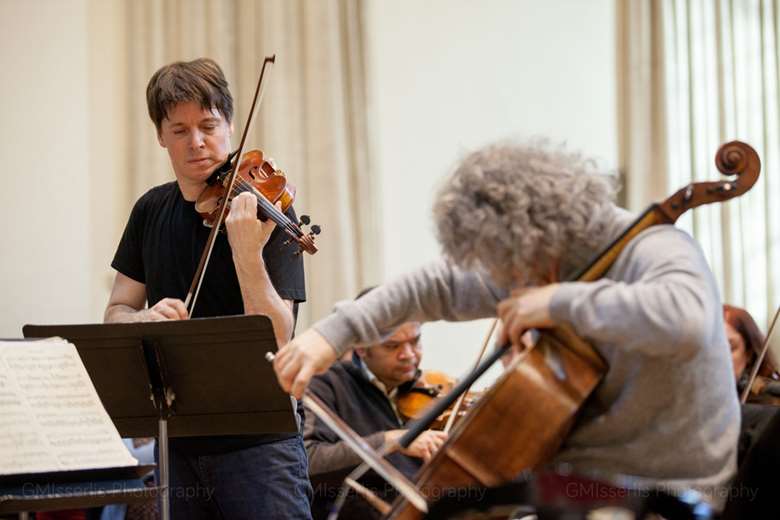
(733, 158)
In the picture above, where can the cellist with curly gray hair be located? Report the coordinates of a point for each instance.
(512, 220)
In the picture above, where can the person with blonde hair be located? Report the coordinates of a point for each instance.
(513, 220)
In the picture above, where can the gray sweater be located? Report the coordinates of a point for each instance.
(667, 409)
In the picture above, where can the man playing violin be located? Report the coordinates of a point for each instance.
(251, 271)
(512, 220)
(362, 391)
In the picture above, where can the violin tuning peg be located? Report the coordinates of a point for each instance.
(315, 229)
(305, 220)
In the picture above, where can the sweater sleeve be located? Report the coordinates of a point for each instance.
(662, 305)
(326, 452)
(436, 291)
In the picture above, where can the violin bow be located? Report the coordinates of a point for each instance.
(197, 280)
(759, 360)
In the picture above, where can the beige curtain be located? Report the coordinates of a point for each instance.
(313, 120)
(694, 74)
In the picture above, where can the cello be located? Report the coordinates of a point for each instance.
(547, 385)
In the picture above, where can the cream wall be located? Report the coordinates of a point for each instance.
(62, 129)
(112, 194)
(44, 203)
(450, 75)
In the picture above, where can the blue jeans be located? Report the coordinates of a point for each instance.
(268, 481)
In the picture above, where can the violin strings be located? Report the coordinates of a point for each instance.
(277, 216)
(280, 218)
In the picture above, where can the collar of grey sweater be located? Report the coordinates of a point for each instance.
(607, 226)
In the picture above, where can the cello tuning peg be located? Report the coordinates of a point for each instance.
(315, 229)
(305, 220)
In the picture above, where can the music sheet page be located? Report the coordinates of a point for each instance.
(51, 418)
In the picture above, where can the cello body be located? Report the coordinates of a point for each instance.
(535, 401)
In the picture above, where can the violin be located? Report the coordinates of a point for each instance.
(765, 387)
(430, 386)
(765, 390)
(258, 176)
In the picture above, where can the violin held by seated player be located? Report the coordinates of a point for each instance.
(429, 386)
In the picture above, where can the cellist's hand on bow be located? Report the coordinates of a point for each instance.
(247, 234)
(525, 309)
(300, 359)
(423, 447)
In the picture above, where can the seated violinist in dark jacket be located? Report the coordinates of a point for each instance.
(362, 391)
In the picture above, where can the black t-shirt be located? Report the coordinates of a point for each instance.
(161, 247)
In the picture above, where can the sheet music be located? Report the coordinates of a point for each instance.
(51, 418)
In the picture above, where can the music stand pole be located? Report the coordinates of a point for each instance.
(165, 499)
(163, 398)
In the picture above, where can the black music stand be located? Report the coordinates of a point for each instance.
(199, 377)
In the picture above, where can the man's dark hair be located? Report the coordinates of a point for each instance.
(198, 80)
